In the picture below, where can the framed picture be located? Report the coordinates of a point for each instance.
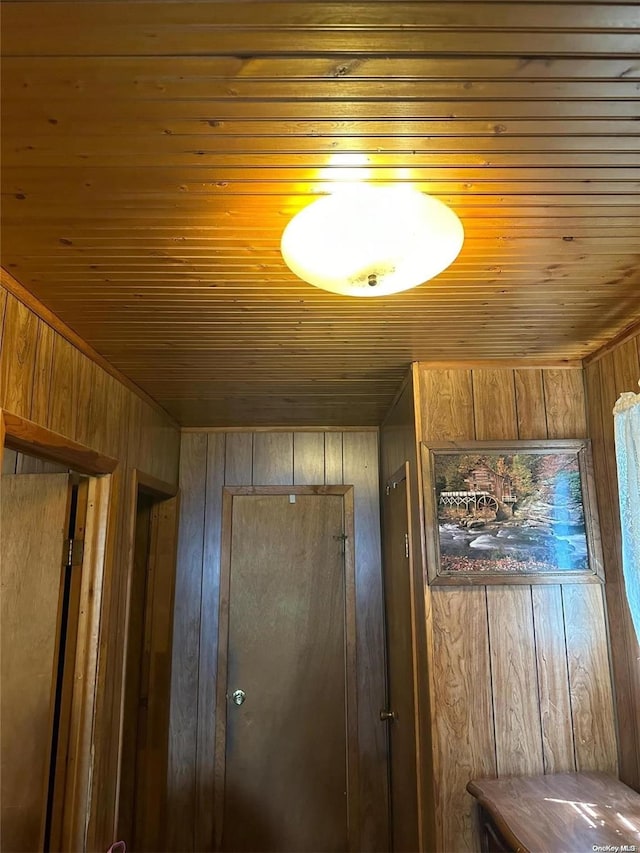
(510, 511)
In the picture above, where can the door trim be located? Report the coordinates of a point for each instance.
(347, 494)
(403, 475)
(165, 501)
(21, 434)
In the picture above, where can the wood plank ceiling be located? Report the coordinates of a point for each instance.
(153, 152)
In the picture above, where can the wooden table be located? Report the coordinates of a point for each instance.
(559, 813)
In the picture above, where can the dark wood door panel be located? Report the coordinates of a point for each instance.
(286, 781)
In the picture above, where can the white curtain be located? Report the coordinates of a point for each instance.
(627, 431)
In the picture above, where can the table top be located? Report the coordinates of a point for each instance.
(563, 812)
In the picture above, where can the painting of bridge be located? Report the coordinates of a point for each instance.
(509, 512)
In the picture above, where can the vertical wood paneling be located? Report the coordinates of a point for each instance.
(564, 395)
(46, 379)
(86, 386)
(308, 458)
(360, 455)
(553, 680)
(17, 362)
(42, 375)
(529, 685)
(494, 404)
(333, 458)
(446, 398)
(207, 681)
(3, 307)
(186, 626)
(589, 678)
(272, 458)
(64, 378)
(530, 404)
(464, 737)
(267, 458)
(238, 459)
(626, 366)
(514, 681)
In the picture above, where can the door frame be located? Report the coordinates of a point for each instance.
(166, 500)
(402, 475)
(347, 494)
(25, 436)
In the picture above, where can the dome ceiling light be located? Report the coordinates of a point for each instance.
(372, 241)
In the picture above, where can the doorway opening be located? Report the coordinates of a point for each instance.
(53, 513)
(147, 664)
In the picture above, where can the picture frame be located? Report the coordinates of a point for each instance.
(510, 512)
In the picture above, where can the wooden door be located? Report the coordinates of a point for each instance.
(34, 519)
(287, 755)
(400, 623)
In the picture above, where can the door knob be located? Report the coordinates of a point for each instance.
(238, 696)
(388, 716)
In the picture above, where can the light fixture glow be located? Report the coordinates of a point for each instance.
(372, 241)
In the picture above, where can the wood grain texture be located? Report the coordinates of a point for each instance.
(553, 679)
(230, 461)
(494, 404)
(402, 670)
(398, 444)
(40, 379)
(308, 458)
(589, 679)
(144, 199)
(564, 399)
(294, 671)
(151, 805)
(549, 812)
(464, 739)
(272, 458)
(530, 404)
(18, 357)
(24, 435)
(447, 404)
(139, 614)
(360, 455)
(514, 681)
(181, 794)
(41, 394)
(32, 575)
(332, 458)
(238, 459)
(535, 729)
(207, 668)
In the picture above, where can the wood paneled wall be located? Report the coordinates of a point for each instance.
(45, 378)
(209, 461)
(518, 676)
(607, 376)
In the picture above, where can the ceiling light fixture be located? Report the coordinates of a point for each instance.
(372, 241)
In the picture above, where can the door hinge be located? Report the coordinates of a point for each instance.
(74, 552)
(406, 545)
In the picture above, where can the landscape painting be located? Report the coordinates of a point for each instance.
(509, 512)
